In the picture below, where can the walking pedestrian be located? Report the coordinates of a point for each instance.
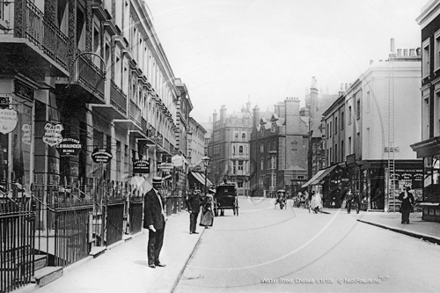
(193, 207)
(406, 206)
(207, 218)
(154, 221)
(349, 200)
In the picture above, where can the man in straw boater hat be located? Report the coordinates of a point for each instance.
(154, 221)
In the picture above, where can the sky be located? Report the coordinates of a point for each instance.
(229, 52)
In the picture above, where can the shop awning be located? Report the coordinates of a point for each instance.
(319, 176)
(201, 178)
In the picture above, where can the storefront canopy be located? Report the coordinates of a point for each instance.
(201, 178)
(319, 176)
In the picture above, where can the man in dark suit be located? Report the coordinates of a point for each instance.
(154, 221)
(193, 206)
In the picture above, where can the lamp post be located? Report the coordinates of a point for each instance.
(206, 161)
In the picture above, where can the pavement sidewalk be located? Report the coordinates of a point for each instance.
(124, 268)
(417, 227)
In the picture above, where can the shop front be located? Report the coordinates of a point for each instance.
(429, 150)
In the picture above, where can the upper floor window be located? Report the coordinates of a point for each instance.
(243, 136)
(342, 120)
(262, 148)
(240, 149)
(349, 115)
(358, 109)
(425, 58)
(336, 125)
(437, 50)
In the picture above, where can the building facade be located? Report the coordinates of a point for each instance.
(88, 101)
(427, 146)
(368, 137)
(279, 144)
(229, 148)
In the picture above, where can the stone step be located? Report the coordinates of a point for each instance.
(46, 275)
(40, 261)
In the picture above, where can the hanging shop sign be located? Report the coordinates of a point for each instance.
(141, 166)
(100, 155)
(8, 120)
(69, 147)
(52, 135)
(26, 138)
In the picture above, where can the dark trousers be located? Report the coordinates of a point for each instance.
(350, 204)
(155, 242)
(405, 217)
(193, 221)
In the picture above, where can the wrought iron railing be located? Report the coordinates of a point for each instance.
(91, 75)
(117, 98)
(45, 35)
(17, 234)
(135, 113)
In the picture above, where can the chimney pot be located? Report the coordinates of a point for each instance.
(405, 52)
(412, 52)
(399, 52)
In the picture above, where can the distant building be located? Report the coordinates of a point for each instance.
(428, 146)
(229, 148)
(279, 145)
(316, 103)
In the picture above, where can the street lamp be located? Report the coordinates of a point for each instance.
(206, 161)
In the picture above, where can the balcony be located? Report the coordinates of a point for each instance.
(31, 44)
(117, 107)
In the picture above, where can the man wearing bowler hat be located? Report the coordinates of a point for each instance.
(154, 221)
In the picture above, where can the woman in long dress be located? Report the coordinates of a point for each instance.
(207, 218)
(316, 203)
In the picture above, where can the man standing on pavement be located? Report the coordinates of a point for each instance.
(154, 221)
(193, 206)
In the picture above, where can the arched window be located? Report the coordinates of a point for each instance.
(261, 148)
(262, 164)
(243, 136)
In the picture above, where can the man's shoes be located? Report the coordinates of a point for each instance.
(152, 266)
(194, 232)
(161, 265)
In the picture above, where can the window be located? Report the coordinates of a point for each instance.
(236, 136)
(261, 148)
(268, 164)
(240, 165)
(336, 125)
(330, 129)
(336, 153)
(273, 162)
(349, 146)
(262, 164)
(425, 58)
(437, 50)
(240, 184)
(243, 136)
(349, 115)
(342, 120)
(342, 151)
(358, 109)
(240, 150)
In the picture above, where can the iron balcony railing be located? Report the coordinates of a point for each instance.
(135, 113)
(117, 98)
(90, 75)
(43, 34)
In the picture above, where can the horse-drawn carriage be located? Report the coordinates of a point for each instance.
(225, 197)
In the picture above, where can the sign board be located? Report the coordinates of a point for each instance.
(100, 155)
(52, 135)
(8, 120)
(141, 166)
(69, 147)
(26, 138)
